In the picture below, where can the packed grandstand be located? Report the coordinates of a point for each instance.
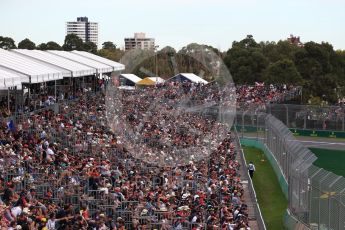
(69, 169)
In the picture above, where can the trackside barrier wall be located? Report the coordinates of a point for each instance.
(295, 131)
(259, 145)
(316, 197)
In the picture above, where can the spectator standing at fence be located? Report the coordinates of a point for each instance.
(251, 169)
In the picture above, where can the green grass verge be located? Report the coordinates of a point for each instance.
(331, 160)
(269, 194)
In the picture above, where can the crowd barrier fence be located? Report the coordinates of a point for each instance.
(315, 196)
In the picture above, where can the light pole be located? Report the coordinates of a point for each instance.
(155, 50)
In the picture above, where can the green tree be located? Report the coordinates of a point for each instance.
(283, 71)
(108, 45)
(168, 50)
(322, 69)
(53, 46)
(248, 42)
(199, 58)
(324, 86)
(26, 44)
(90, 47)
(49, 46)
(72, 42)
(113, 54)
(269, 49)
(279, 51)
(246, 61)
(42, 46)
(7, 43)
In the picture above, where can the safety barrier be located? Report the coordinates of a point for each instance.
(315, 196)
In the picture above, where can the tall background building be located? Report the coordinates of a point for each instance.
(87, 31)
(139, 41)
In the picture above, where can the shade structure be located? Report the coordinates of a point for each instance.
(150, 81)
(116, 66)
(131, 77)
(191, 77)
(10, 79)
(100, 67)
(36, 72)
(157, 80)
(36, 66)
(74, 68)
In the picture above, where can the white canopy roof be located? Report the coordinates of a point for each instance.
(36, 71)
(101, 68)
(10, 79)
(132, 77)
(116, 66)
(76, 69)
(157, 79)
(192, 77)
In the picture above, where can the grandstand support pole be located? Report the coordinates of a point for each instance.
(156, 50)
(93, 84)
(70, 85)
(15, 98)
(8, 99)
(29, 96)
(55, 91)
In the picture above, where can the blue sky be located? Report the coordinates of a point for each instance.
(179, 22)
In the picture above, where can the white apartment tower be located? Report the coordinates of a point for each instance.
(87, 31)
(140, 41)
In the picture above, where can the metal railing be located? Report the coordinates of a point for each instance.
(316, 197)
(309, 116)
(254, 202)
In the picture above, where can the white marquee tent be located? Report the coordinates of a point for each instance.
(100, 67)
(116, 66)
(131, 77)
(10, 79)
(189, 77)
(76, 69)
(36, 66)
(35, 71)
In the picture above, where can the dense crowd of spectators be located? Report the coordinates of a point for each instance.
(258, 95)
(178, 121)
(41, 96)
(70, 170)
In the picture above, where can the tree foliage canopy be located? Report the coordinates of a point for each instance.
(316, 66)
(27, 44)
(72, 42)
(7, 43)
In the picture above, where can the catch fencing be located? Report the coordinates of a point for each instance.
(309, 116)
(302, 120)
(316, 197)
